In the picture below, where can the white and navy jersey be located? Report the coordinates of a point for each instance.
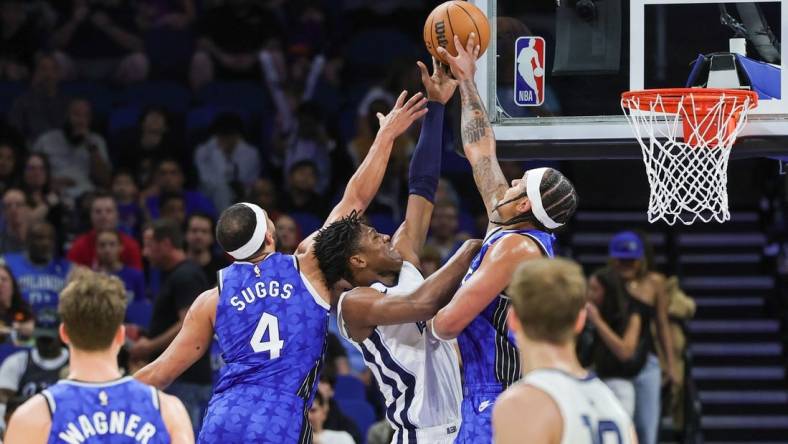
(120, 411)
(590, 411)
(418, 374)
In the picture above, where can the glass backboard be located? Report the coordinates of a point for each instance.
(584, 53)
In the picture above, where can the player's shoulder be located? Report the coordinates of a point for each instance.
(544, 414)
(33, 413)
(515, 246)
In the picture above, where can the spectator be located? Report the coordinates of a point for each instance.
(302, 193)
(78, 156)
(288, 235)
(16, 221)
(46, 204)
(169, 179)
(334, 418)
(28, 372)
(318, 413)
(380, 433)
(40, 273)
(182, 282)
(618, 352)
(9, 165)
(126, 193)
(226, 163)
(151, 142)
(431, 260)
(199, 246)
(312, 143)
(172, 206)
(230, 37)
(104, 216)
(263, 193)
(18, 41)
(15, 314)
(43, 107)
(100, 40)
(444, 229)
(108, 256)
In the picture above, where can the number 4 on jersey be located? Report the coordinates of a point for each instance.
(273, 345)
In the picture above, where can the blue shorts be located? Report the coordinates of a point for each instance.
(476, 427)
(251, 414)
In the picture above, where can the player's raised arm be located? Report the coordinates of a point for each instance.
(191, 343)
(492, 277)
(425, 165)
(478, 139)
(364, 308)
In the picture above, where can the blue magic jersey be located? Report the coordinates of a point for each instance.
(271, 327)
(488, 350)
(40, 285)
(120, 411)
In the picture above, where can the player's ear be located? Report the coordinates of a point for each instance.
(513, 321)
(63, 334)
(269, 239)
(524, 205)
(357, 261)
(120, 336)
(580, 322)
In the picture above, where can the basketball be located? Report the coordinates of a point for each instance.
(452, 18)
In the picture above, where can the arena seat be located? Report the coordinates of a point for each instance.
(249, 96)
(308, 222)
(123, 118)
(360, 412)
(139, 313)
(99, 94)
(383, 223)
(8, 92)
(171, 96)
(349, 388)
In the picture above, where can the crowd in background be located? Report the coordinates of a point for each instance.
(99, 170)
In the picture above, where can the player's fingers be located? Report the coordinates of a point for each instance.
(380, 117)
(418, 106)
(401, 99)
(435, 66)
(423, 71)
(445, 54)
(419, 114)
(460, 49)
(476, 51)
(471, 43)
(413, 101)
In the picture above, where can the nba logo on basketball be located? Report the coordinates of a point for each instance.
(529, 71)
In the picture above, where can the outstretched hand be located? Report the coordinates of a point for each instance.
(399, 119)
(463, 65)
(440, 86)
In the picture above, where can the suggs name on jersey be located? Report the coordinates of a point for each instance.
(261, 291)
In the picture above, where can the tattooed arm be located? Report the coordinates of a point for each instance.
(478, 139)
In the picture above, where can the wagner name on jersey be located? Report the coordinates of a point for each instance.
(590, 411)
(418, 374)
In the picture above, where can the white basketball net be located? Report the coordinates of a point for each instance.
(688, 182)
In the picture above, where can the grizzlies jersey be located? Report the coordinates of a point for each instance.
(417, 373)
(40, 285)
(591, 413)
(121, 411)
(489, 352)
(271, 326)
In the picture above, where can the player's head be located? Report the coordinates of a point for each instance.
(627, 255)
(543, 197)
(549, 298)
(244, 231)
(351, 250)
(92, 308)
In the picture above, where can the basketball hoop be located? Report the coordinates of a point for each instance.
(686, 135)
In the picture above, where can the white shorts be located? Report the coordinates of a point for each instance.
(443, 434)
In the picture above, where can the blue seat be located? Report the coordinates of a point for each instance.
(139, 312)
(360, 412)
(169, 51)
(249, 96)
(383, 223)
(172, 96)
(99, 95)
(124, 118)
(9, 91)
(349, 388)
(308, 222)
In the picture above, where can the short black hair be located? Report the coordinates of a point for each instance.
(201, 215)
(166, 197)
(559, 197)
(228, 123)
(235, 227)
(167, 229)
(304, 163)
(334, 244)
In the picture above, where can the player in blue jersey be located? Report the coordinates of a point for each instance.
(522, 217)
(96, 404)
(270, 314)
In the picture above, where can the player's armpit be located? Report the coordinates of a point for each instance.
(30, 423)
(490, 280)
(191, 343)
(176, 419)
(542, 425)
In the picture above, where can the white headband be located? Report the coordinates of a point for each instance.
(258, 237)
(533, 180)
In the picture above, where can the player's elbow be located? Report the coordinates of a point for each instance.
(446, 326)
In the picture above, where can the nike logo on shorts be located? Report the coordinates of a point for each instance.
(483, 406)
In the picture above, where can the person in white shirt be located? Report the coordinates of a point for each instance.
(557, 401)
(317, 416)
